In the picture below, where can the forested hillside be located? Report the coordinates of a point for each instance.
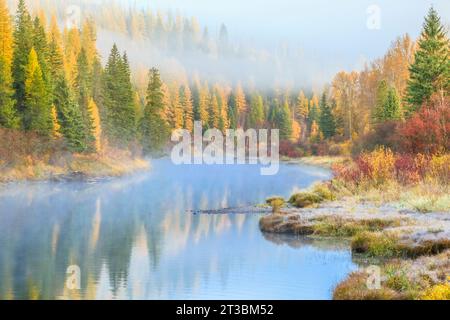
(54, 88)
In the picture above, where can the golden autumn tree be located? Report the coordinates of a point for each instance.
(88, 41)
(96, 124)
(72, 48)
(241, 105)
(56, 125)
(6, 36)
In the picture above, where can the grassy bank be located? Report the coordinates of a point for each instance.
(69, 166)
(393, 208)
(319, 161)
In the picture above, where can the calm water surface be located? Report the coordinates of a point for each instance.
(134, 239)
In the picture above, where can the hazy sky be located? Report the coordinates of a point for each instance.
(335, 28)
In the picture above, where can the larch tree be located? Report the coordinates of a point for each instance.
(188, 107)
(178, 114)
(96, 125)
(6, 35)
(302, 110)
(88, 41)
(430, 72)
(8, 114)
(241, 105)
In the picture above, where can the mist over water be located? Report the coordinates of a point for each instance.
(275, 44)
(134, 238)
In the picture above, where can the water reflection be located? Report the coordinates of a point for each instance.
(133, 239)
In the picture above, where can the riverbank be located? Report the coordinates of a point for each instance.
(70, 167)
(394, 209)
(318, 161)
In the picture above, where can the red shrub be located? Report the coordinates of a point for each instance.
(428, 130)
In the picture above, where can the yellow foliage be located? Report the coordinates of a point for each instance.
(56, 125)
(382, 165)
(296, 131)
(439, 169)
(95, 116)
(6, 37)
(437, 292)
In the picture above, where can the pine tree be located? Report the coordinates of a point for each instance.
(23, 43)
(387, 105)
(232, 112)
(284, 121)
(327, 123)
(313, 113)
(430, 72)
(256, 115)
(70, 118)
(41, 46)
(82, 88)
(37, 108)
(392, 106)
(187, 104)
(8, 114)
(214, 113)
(154, 129)
(118, 100)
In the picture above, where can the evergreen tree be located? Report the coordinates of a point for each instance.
(37, 108)
(8, 114)
(23, 43)
(118, 100)
(387, 104)
(313, 113)
(41, 47)
(327, 123)
(284, 121)
(83, 84)
(430, 72)
(154, 129)
(232, 112)
(70, 118)
(256, 115)
(392, 109)
(187, 104)
(214, 113)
